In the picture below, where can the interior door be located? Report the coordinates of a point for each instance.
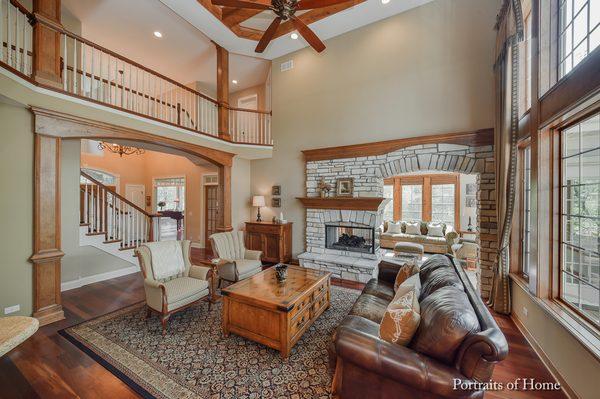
(136, 193)
(211, 212)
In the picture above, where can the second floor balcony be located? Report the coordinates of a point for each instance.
(48, 55)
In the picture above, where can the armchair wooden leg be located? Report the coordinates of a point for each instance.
(148, 313)
(163, 320)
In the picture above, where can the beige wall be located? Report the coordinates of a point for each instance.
(240, 193)
(574, 363)
(16, 208)
(425, 71)
(142, 169)
(259, 91)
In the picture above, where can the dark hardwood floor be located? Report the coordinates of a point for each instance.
(48, 366)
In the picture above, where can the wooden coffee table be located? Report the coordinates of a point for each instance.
(272, 313)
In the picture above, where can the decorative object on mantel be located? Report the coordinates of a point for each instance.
(323, 187)
(258, 201)
(346, 203)
(120, 149)
(276, 190)
(281, 272)
(344, 187)
(276, 202)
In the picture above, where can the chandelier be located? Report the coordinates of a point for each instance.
(120, 149)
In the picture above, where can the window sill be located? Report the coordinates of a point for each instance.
(587, 335)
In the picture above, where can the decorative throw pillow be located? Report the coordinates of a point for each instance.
(394, 228)
(401, 319)
(413, 228)
(407, 270)
(435, 230)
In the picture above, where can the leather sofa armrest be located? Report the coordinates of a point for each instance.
(252, 255)
(388, 271)
(480, 352)
(401, 364)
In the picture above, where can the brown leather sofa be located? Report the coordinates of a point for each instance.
(457, 343)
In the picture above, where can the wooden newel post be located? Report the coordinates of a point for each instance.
(47, 42)
(223, 92)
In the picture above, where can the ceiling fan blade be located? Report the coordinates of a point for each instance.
(241, 4)
(310, 4)
(268, 35)
(308, 34)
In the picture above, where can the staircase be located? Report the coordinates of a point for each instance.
(111, 222)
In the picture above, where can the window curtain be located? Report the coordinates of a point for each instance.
(509, 26)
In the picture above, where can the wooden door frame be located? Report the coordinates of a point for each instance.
(50, 128)
(206, 187)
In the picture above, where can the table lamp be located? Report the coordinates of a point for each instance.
(258, 201)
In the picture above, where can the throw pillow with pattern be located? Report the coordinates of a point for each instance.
(401, 319)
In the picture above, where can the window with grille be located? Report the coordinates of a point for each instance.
(580, 214)
(526, 210)
(412, 202)
(443, 203)
(579, 32)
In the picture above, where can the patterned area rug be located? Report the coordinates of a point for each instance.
(195, 360)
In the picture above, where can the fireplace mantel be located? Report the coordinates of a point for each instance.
(342, 203)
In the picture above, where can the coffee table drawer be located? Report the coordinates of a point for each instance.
(320, 290)
(301, 305)
(300, 321)
(319, 304)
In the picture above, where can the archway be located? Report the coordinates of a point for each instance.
(49, 129)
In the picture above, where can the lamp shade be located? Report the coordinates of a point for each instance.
(258, 200)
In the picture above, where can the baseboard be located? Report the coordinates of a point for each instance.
(70, 285)
(544, 358)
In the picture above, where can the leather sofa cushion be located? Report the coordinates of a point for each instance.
(370, 307)
(439, 278)
(434, 262)
(447, 318)
(380, 289)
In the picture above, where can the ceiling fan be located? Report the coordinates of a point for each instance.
(284, 10)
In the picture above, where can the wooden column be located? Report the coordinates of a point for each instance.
(47, 253)
(46, 43)
(224, 223)
(223, 91)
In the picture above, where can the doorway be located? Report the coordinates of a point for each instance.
(211, 212)
(136, 193)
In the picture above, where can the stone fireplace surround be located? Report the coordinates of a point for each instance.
(368, 173)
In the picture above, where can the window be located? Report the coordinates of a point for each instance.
(388, 193)
(412, 202)
(579, 285)
(171, 191)
(579, 32)
(427, 197)
(525, 233)
(525, 50)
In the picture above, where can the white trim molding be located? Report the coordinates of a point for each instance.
(80, 282)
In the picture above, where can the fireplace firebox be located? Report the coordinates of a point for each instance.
(350, 237)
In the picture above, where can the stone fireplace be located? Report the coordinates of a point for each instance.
(368, 173)
(350, 237)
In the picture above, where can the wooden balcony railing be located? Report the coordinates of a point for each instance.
(97, 74)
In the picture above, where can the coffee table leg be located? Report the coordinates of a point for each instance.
(284, 344)
(226, 316)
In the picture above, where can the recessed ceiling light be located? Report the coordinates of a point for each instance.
(234, 81)
(157, 34)
(294, 35)
(385, 1)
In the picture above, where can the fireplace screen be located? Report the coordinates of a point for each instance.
(350, 237)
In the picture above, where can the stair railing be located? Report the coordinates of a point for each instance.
(105, 212)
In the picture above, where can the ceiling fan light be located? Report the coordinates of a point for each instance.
(294, 36)
(385, 1)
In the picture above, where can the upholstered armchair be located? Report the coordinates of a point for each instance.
(234, 262)
(465, 249)
(168, 294)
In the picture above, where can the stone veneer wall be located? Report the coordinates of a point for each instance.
(368, 173)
